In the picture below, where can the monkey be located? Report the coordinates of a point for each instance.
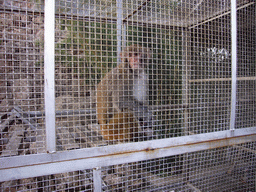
(122, 97)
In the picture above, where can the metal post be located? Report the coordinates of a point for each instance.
(97, 179)
(185, 86)
(124, 37)
(234, 63)
(119, 4)
(49, 83)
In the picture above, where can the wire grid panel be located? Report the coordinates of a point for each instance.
(72, 181)
(188, 93)
(229, 168)
(86, 50)
(188, 75)
(246, 95)
(223, 169)
(210, 77)
(21, 79)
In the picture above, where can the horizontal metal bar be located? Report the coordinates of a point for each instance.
(113, 20)
(155, 108)
(64, 112)
(17, 161)
(252, 78)
(81, 164)
(19, 167)
(136, 10)
(90, 18)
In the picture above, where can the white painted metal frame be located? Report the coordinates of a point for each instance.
(234, 64)
(49, 70)
(119, 4)
(19, 167)
(97, 179)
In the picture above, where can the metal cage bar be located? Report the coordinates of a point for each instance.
(119, 24)
(234, 63)
(42, 164)
(49, 73)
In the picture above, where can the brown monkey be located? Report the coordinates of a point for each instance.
(122, 97)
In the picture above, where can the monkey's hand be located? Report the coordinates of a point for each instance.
(144, 115)
(146, 121)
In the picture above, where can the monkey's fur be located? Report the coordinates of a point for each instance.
(122, 97)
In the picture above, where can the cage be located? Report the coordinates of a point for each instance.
(77, 115)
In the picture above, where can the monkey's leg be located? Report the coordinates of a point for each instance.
(122, 127)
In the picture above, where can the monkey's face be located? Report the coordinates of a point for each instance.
(136, 61)
(137, 57)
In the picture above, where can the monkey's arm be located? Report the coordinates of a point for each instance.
(122, 86)
(128, 102)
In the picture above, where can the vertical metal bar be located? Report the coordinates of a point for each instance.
(119, 4)
(124, 37)
(97, 179)
(185, 91)
(234, 63)
(49, 65)
(185, 97)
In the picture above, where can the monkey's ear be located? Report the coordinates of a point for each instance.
(147, 53)
(123, 56)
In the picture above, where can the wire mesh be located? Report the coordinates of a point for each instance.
(71, 181)
(21, 95)
(210, 77)
(222, 169)
(246, 95)
(229, 168)
(184, 90)
(86, 50)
